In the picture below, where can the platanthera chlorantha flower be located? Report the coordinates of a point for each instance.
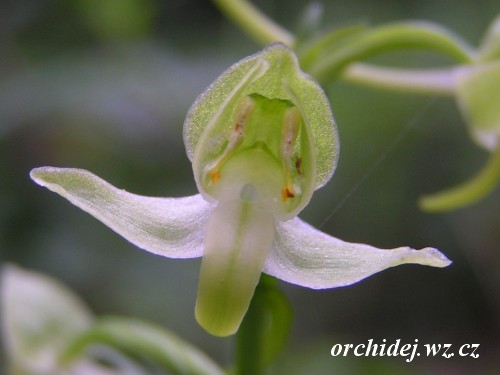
(475, 85)
(261, 139)
(477, 91)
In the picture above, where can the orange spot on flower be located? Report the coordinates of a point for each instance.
(215, 176)
(286, 193)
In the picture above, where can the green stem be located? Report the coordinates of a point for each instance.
(264, 330)
(431, 81)
(468, 192)
(249, 340)
(255, 23)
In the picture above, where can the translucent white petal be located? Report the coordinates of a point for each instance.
(171, 227)
(305, 256)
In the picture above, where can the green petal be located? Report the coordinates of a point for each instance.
(238, 238)
(478, 95)
(305, 256)
(40, 317)
(490, 46)
(171, 227)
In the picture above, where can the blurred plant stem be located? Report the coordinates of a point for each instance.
(249, 356)
(264, 330)
(255, 23)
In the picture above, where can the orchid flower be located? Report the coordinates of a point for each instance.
(261, 139)
(477, 91)
(474, 84)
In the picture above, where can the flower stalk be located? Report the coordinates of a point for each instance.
(255, 23)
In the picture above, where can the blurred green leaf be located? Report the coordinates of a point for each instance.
(145, 341)
(40, 317)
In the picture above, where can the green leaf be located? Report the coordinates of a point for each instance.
(171, 227)
(145, 341)
(305, 256)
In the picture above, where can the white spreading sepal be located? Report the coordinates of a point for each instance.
(305, 256)
(171, 227)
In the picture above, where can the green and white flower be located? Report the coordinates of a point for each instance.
(261, 139)
(477, 91)
(474, 84)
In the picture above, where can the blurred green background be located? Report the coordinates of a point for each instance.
(105, 86)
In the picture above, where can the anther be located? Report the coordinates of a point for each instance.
(291, 126)
(286, 193)
(241, 117)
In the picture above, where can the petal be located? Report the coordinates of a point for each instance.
(490, 46)
(305, 256)
(478, 95)
(239, 237)
(171, 227)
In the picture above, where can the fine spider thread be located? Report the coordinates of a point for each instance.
(410, 125)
